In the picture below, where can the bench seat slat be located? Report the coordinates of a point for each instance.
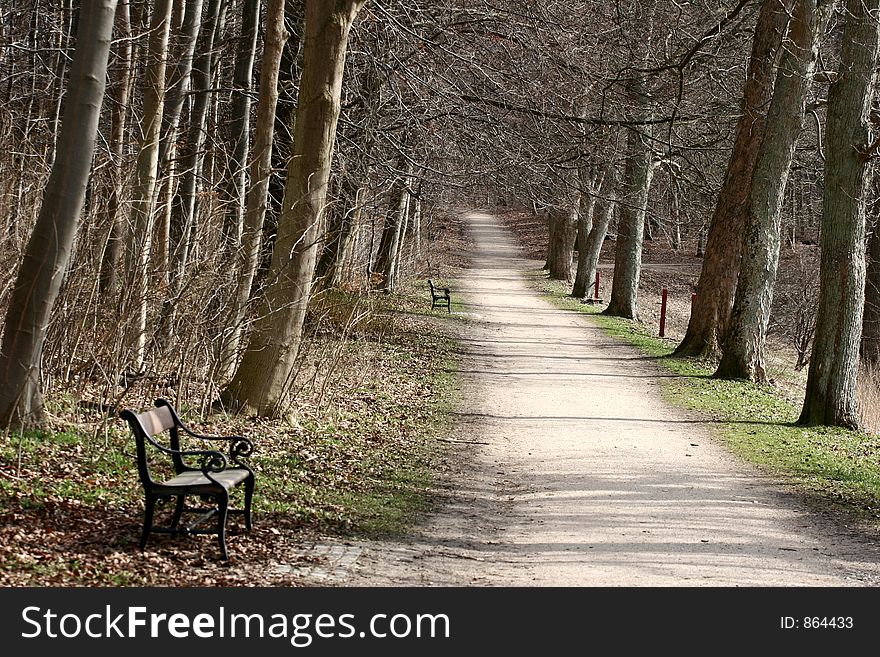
(227, 479)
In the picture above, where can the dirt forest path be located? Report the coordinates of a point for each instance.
(578, 474)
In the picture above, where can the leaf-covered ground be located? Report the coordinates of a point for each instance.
(357, 454)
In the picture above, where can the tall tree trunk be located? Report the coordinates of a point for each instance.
(48, 250)
(562, 236)
(584, 228)
(417, 227)
(248, 255)
(140, 243)
(389, 246)
(723, 247)
(282, 147)
(604, 214)
(69, 17)
(551, 237)
(263, 377)
(28, 123)
(348, 249)
(192, 154)
(638, 169)
(637, 176)
(744, 345)
(240, 124)
(871, 323)
(404, 225)
(177, 93)
(675, 212)
(831, 383)
(120, 93)
(338, 233)
(590, 189)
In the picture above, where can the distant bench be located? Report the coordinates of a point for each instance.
(213, 479)
(439, 296)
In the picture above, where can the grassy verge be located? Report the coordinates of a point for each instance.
(366, 467)
(357, 456)
(831, 468)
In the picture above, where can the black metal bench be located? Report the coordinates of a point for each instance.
(439, 296)
(213, 479)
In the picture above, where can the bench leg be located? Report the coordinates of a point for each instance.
(449, 306)
(178, 511)
(149, 506)
(222, 513)
(248, 496)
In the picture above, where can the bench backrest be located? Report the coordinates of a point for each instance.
(155, 421)
(145, 426)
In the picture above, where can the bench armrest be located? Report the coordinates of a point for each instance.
(239, 447)
(212, 460)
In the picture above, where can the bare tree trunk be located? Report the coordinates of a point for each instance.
(248, 255)
(637, 176)
(404, 228)
(723, 247)
(417, 228)
(28, 123)
(562, 236)
(605, 214)
(120, 94)
(282, 147)
(263, 377)
(177, 93)
(584, 226)
(338, 233)
(743, 356)
(65, 37)
(871, 323)
(350, 243)
(551, 238)
(675, 211)
(638, 170)
(831, 383)
(48, 250)
(240, 123)
(140, 244)
(192, 154)
(591, 188)
(389, 246)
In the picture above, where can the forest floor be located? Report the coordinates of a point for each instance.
(356, 454)
(572, 470)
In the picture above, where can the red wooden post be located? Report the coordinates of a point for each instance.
(663, 296)
(596, 287)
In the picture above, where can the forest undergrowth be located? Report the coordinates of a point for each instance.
(356, 454)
